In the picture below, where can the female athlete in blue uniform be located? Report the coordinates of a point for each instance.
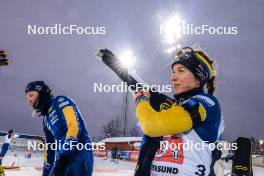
(193, 117)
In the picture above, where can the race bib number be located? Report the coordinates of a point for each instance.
(171, 150)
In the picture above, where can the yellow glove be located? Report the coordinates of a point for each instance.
(2, 173)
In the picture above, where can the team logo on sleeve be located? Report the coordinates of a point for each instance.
(60, 99)
(64, 104)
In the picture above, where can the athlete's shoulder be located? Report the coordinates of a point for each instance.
(209, 130)
(61, 98)
(7, 136)
(62, 101)
(211, 106)
(207, 100)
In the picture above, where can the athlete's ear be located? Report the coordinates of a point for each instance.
(197, 83)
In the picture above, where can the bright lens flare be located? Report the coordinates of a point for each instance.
(127, 58)
(170, 50)
(173, 48)
(171, 29)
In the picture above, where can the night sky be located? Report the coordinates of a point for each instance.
(68, 63)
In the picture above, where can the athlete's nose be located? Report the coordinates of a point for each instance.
(174, 77)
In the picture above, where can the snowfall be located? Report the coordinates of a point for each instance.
(102, 166)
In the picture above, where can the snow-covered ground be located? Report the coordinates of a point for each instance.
(102, 166)
(32, 166)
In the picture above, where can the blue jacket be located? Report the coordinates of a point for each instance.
(63, 125)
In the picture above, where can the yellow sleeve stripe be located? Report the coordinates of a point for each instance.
(202, 112)
(172, 121)
(71, 120)
(45, 154)
(206, 63)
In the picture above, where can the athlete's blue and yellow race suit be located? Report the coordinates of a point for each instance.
(195, 118)
(64, 125)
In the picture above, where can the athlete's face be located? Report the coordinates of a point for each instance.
(182, 79)
(32, 98)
